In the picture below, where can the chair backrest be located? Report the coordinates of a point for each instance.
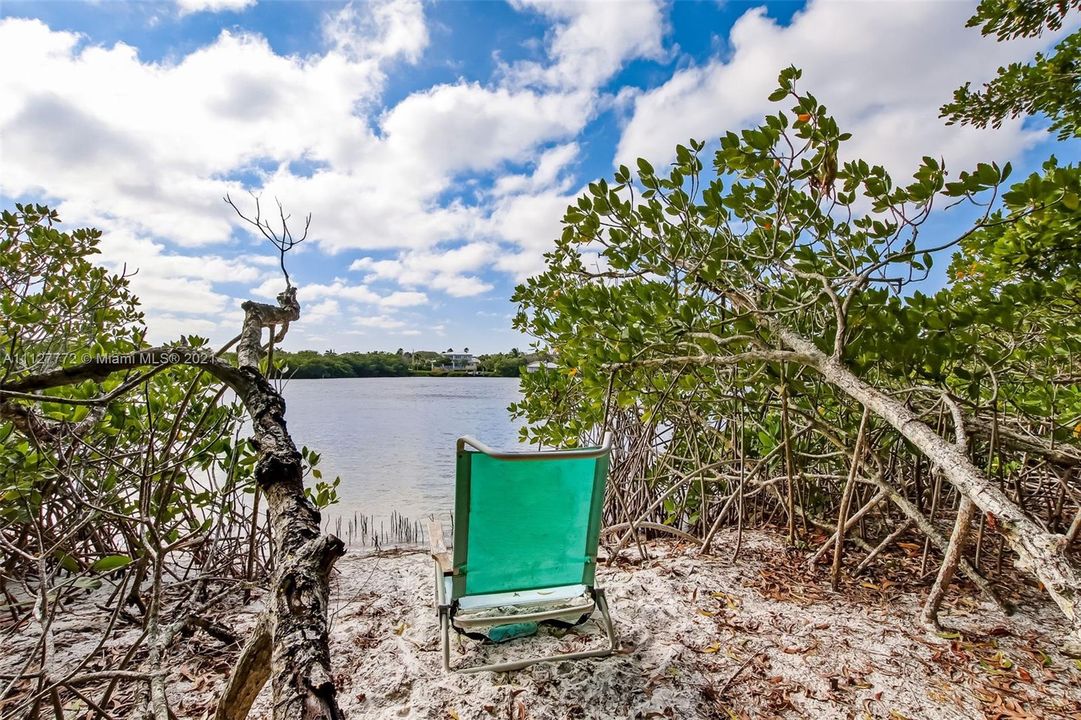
(526, 520)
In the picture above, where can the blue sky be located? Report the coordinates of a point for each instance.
(435, 143)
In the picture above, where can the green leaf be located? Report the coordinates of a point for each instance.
(110, 562)
(68, 562)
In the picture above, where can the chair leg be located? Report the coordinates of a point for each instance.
(440, 590)
(444, 628)
(444, 616)
(613, 637)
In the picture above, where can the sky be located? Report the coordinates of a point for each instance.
(435, 144)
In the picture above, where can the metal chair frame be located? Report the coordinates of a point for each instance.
(444, 569)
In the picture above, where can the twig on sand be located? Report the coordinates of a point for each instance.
(732, 678)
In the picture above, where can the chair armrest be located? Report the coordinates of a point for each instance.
(439, 550)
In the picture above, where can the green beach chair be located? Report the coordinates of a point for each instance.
(527, 526)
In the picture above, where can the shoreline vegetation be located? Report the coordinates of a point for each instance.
(315, 365)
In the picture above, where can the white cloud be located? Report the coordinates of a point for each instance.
(144, 150)
(882, 68)
(379, 29)
(319, 313)
(337, 289)
(418, 267)
(591, 40)
(149, 143)
(532, 222)
(193, 6)
(309, 292)
(461, 285)
(174, 287)
(383, 322)
(114, 137)
(404, 298)
(550, 168)
(471, 127)
(441, 269)
(181, 295)
(433, 136)
(525, 213)
(152, 146)
(122, 248)
(340, 290)
(170, 328)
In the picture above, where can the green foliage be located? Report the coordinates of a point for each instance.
(110, 562)
(1019, 276)
(702, 272)
(322, 494)
(104, 481)
(55, 304)
(1040, 245)
(502, 364)
(311, 364)
(1012, 19)
(308, 364)
(1049, 85)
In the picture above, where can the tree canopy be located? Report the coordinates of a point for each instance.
(1049, 85)
(743, 316)
(122, 466)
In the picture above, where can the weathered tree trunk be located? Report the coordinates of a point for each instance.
(300, 660)
(1039, 551)
(1062, 455)
(1075, 529)
(302, 684)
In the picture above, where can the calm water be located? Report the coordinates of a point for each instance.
(392, 439)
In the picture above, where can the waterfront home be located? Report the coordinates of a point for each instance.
(459, 361)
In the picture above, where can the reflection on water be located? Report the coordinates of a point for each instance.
(392, 439)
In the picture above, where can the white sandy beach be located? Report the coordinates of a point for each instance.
(703, 637)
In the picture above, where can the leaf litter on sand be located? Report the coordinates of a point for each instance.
(703, 637)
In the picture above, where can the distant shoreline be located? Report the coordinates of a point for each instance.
(313, 365)
(418, 374)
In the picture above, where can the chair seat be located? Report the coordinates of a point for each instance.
(567, 603)
(544, 596)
